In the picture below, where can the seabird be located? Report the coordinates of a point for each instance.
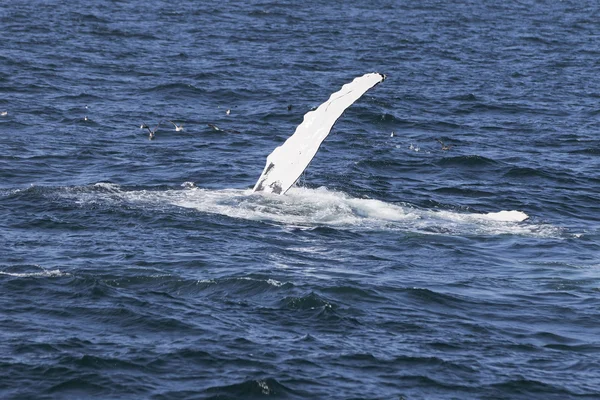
(392, 134)
(4, 113)
(228, 111)
(177, 127)
(152, 131)
(216, 128)
(289, 107)
(444, 147)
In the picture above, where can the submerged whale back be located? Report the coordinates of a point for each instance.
(287, 162)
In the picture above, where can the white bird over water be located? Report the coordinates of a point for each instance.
(177, 127)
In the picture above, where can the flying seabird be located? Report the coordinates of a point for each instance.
(152, 131)
(444, 147)
(177, 127)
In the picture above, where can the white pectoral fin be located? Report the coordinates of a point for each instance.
(287, 162)
(264, 184)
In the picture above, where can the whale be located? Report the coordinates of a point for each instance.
(287, 162)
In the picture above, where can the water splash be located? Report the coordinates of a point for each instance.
(309, 208)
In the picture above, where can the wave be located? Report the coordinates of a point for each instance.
(177, 88)
(591, 151)
(310, 301)
(45, 273)
(31, 271)
(465, 97)
(470, 161)
(250, 389)
(305, 208)
(538, 173)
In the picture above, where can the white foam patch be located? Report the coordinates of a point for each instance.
(44, 273)
(506, 216)
(308, 208)
(108, 186)
(500, 216)
(274, 282)
(300, 207)
(271, 282)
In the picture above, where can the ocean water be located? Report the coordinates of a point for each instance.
(142, 269)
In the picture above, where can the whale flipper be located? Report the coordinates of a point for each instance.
(287, 162)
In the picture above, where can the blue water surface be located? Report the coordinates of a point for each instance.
(132, 268)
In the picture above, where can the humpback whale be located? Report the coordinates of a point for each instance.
(287, 162)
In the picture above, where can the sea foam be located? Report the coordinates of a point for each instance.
(308, 208)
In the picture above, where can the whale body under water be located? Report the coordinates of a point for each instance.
(287, 162)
